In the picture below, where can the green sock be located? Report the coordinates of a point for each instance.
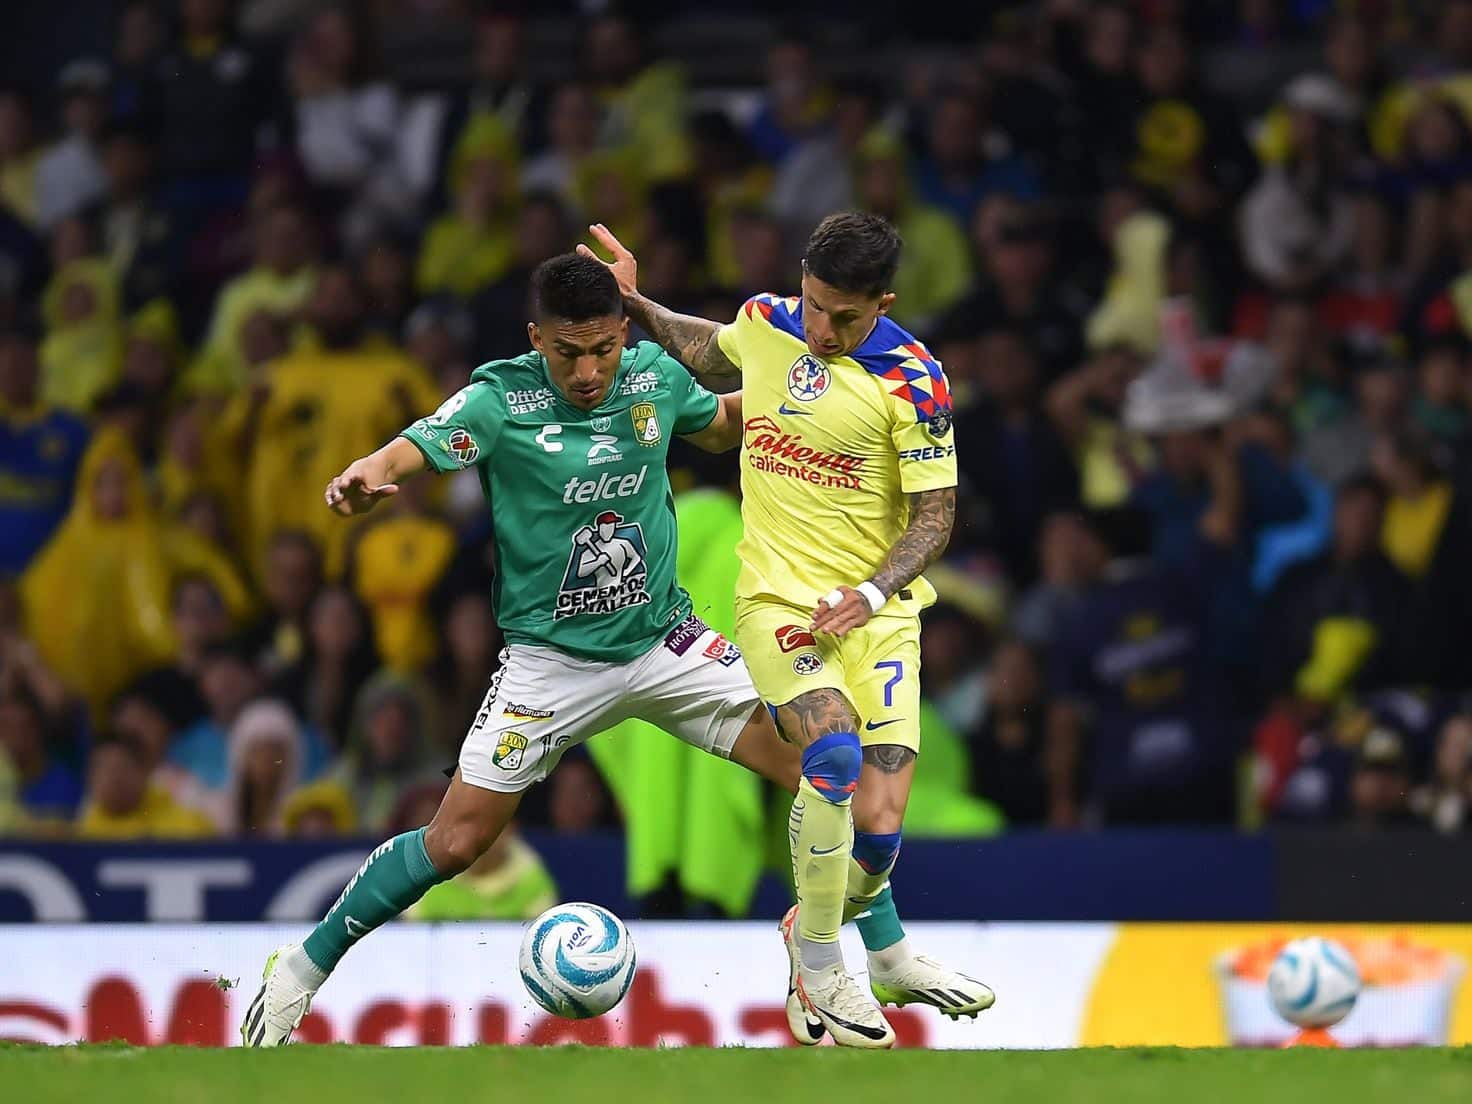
(880, 924)
(391, 879)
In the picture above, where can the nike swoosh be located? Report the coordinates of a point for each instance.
(785, 409)
(829, 851)
(862, 1029)
(872, 725)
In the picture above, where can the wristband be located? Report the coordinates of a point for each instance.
(872, 594)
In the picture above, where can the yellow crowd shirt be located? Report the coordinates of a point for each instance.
(830, 451)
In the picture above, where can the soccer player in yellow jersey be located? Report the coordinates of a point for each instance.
(848, 478)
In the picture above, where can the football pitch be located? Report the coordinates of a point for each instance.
(318, 1074)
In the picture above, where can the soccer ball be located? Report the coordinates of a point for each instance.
(1314, 982)
(577, 960)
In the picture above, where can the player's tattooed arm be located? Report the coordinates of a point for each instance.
(932, 514)
(690, 340)
(816, 714)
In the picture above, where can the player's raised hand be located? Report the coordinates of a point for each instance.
(624, 268)
(850, 611)
(357, 490)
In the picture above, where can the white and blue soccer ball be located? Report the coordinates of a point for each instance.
(577, 960)
(1314, 982)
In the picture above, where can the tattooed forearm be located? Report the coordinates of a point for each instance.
(690, 340)
(814, 714)
(932, 513)
(889, 758)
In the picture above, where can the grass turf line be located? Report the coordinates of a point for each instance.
(326, 1074)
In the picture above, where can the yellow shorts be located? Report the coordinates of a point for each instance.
(877, 667)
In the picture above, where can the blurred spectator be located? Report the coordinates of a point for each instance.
(1016, 465)
(388, 749)
(572, 130)
(1444, 801)
(40, 449)
(148, 718)
(338, 657)
(386, 270)
(1298, 220)
(1139, 710)
(82, 351)
(107, 576)
(1339, 621)
(499, 82)
(18, 157)
(1069, 558)
(731, 183)
(1420, 501)
(1379, 788)
(469, 644)
(228, 681)
(397, 562)
(141, 38)
(294, 576)
(280, 283)
(1018, 286)
(795, 103)
(935, 268)
(69, 175)
(122, 804)
(1085, 406)
(1008, 747)
(966, 160)
(578, 801)
(508, 882)
(954, 682)
(503, 306)
(1440, 407)
(644, 104)
(817, 175)
(439, 334)
(472, 245)
(266, 764)
(213, 97)
(319, 810)
(49, 792)
(339, 393)
(351, 128)
(138, 232)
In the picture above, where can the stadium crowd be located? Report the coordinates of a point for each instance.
(1200, 275)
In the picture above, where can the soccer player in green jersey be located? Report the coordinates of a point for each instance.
(570, 444)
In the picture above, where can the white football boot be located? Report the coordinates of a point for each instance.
(920, 979)
(806, 1029)
(279, 1007)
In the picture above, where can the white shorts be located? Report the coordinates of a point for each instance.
(542, 701)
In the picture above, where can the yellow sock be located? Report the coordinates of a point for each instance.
(821, 833)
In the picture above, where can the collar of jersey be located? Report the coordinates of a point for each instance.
(625, 362)
(871, 344)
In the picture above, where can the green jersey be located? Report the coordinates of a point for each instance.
(581, 508)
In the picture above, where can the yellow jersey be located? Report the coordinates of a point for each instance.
(830, 450)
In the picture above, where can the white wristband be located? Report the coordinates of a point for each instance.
(872, 594)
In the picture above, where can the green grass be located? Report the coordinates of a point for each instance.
(314, 1075)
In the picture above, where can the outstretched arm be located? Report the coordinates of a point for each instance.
(366, 482)
(932, 514)
(690, 340)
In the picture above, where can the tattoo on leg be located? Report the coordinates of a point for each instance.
(814, 714)
(889, 758)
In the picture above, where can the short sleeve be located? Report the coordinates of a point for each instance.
(461, 433)
(695, 407)
(923, 434)
(729, 339)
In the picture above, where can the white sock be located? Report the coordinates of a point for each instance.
(301, 969)
(814, 956)
(888, 959)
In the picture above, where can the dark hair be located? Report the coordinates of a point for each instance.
(855, 252)
(1361, 483)
(575, 288)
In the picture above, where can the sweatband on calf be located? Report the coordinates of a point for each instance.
(831, 764)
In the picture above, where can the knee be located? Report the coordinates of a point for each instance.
(831, 764)
(876, 852)
(453, 846)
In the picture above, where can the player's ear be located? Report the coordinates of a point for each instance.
(623, 331)
(534, 334)
(885, 302)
